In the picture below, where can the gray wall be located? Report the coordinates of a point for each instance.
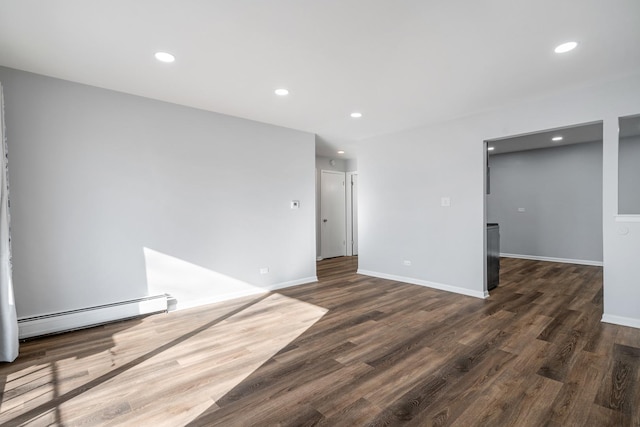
(114, 197)
(629, 175)
(560, 189)
(402, 177)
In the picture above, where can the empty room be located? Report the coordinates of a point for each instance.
(305, 212)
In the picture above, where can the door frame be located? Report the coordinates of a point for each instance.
(344, 218)
(349, 214)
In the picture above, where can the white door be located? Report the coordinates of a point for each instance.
(354, 212)
(332, 214)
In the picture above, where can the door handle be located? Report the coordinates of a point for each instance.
(325, 220)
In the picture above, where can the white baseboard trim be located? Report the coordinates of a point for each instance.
(439, 286)
(184, 305)
(291, 283)
(53, 323)
(257, 290)
(619, 320)
(551, 259)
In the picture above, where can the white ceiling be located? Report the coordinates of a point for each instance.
(402, 63)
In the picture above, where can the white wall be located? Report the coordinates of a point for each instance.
(402, 179)
(324, 163)
(403, 176)
(115, 197)
(560, 190)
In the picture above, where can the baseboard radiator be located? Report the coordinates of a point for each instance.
(65, 321)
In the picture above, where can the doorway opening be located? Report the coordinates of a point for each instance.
(333, 208)
(336, 208)
(543, 191)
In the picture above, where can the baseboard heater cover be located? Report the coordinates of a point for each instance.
(30, 327)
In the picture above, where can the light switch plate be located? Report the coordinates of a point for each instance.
(295, 204)
(445, 201)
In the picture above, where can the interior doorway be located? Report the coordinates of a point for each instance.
(333, 227)
(544, 191)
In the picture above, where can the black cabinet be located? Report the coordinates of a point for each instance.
(493, 256)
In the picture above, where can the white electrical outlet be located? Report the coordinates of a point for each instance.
(521, 210)
(264, 270)
(445, 201)
(406, 262)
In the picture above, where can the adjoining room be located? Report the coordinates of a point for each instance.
(545, 194)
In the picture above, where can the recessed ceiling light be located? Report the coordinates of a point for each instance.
(356, 115)
(282, 92)
(566, 47)
(491, 148)
(556, 138)
(340, 152)
(165, 57)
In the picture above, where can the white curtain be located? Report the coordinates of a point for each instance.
(8, 320)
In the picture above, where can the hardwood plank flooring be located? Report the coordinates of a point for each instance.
(349, 350)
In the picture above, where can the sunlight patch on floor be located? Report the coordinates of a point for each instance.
(168, 376)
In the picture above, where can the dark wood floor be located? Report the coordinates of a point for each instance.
(350, 350)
